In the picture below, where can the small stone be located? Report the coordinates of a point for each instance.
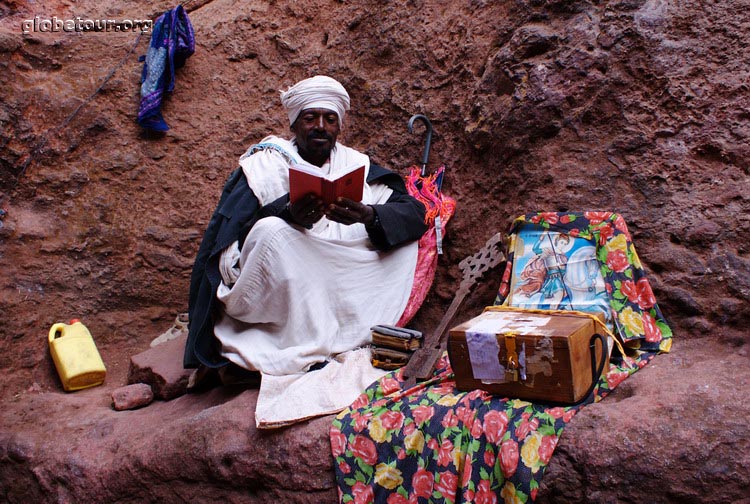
(132, 396)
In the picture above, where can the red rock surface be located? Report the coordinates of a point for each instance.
(676, 431)
(635, 106)
(673, 432)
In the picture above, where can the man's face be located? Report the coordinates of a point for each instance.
(316, 131)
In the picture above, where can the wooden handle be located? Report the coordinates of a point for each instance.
(473, 267)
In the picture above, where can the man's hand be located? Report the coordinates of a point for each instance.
(307, 210)
(349, 212)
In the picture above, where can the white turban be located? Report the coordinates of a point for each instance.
(316, 92)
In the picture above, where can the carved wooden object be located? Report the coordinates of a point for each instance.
(473, 267)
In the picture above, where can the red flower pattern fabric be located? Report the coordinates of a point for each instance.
(434, 444)
(439, 210)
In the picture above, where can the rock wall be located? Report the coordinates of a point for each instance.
(639, 107)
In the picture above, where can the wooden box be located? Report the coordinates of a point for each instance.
(552, 355)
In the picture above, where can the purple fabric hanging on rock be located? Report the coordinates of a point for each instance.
(172, 42)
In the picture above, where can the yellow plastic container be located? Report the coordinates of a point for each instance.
(76, 358)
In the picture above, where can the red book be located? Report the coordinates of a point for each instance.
(304, 180)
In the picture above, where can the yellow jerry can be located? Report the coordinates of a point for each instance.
(76, 358)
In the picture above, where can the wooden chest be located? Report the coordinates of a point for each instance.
(532, 356)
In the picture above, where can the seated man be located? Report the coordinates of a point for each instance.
(279, 287)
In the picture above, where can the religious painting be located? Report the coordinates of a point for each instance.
(556, 271)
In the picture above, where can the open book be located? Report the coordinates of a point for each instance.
(303, 180)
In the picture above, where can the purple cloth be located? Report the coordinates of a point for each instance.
(172, 42)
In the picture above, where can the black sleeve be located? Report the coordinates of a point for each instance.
(400, 219)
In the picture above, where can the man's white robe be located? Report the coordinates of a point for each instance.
(294, 297)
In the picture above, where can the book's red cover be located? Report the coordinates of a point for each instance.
(349, 185)
(301, 183)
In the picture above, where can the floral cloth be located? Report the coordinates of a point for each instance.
(434, 444)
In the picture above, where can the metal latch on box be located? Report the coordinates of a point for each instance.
(512, 361)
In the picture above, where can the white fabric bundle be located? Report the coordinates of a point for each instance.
(284, 400)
